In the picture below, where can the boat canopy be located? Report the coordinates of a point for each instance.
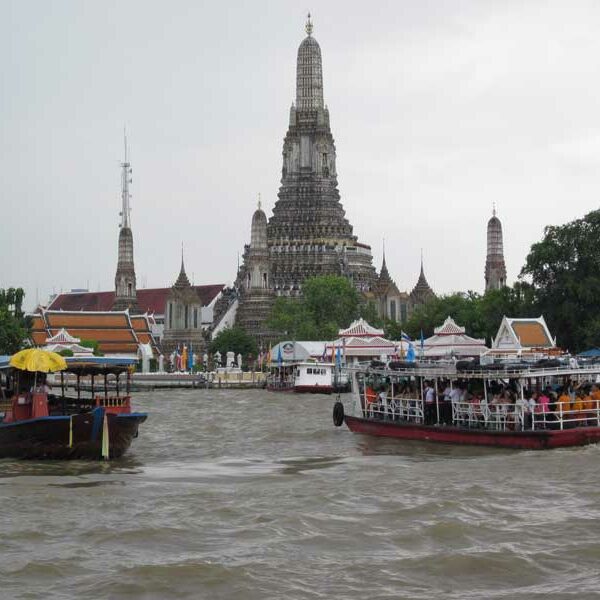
(88, 365)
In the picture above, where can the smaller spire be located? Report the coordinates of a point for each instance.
(309, 26)
(494, 208)
(422, 270)
(182, 280)
(259, 202)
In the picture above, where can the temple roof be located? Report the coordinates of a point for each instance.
(115, 331)
(62, 337)
(152, 300)
(360, 328)
(449, 328)
(450, 340)
(523, 333)
(422, 288)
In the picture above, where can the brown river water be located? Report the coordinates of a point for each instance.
(254, 495)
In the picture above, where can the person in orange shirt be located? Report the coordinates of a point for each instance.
(564, 403)
(577, 407)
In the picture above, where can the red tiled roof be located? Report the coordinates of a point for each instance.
(114, 331)
(152, 300)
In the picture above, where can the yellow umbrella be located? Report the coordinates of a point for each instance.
(34, 359)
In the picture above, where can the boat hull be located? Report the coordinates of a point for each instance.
(49, 437)
(524, 440)
(313, 389)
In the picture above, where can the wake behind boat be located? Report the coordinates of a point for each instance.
(37, 421)
(548, 405)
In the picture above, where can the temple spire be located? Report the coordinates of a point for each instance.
(309, 73)
(495, 267)
(182, 279)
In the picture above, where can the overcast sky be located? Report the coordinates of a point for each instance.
(438, 109)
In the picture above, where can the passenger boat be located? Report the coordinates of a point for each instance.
(309, 376)
(38, 423)
(491, 405)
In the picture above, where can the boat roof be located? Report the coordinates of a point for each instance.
(449, 371)
(87, 364)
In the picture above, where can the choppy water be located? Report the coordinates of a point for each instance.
(246, 494)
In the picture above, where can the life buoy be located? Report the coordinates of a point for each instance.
(338, 414)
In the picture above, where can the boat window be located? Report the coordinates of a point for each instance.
(309, 371)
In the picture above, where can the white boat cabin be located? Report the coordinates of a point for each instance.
(313, 377)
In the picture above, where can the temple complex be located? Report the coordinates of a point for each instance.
(495, 268)
(308, 234)
(125, 288)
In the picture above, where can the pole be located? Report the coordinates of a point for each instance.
(437, 401)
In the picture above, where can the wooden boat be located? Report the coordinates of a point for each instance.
(393, 403)
(37, 424)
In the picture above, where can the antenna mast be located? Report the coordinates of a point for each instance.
(125, 181)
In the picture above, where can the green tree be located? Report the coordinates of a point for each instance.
(234, 339)
(462, 307)
(368, 311)
(291, 317)
(332, 300)
(564, 271)
(328, 303)
(14, 327)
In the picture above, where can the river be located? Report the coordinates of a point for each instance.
(255, 495)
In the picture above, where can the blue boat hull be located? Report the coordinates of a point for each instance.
(69, 437)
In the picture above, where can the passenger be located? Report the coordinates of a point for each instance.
(429, 398)
(447, 392)
(521, 409)
(577, 407)
(383, 403)
(564, 404)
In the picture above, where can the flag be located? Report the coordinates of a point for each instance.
(333, 354)
(269, 355)
(324, 355)
(191, 359)
(410, 355)
(184, 357)
(279, 357)
(338, 357)
(404, 337)
(422, 344)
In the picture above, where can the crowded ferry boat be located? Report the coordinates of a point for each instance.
(547, 404)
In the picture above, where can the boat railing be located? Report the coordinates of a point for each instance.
(489, 416)
(566, 415)
(114, 404)
(402, 408)
(481, 415)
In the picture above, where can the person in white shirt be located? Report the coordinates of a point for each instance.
(429, 409)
